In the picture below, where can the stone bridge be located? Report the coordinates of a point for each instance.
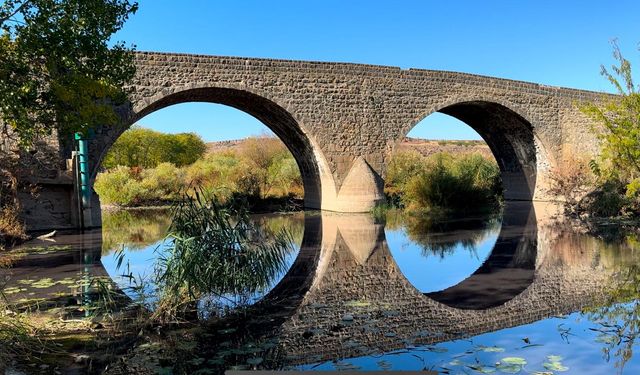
(341, 122)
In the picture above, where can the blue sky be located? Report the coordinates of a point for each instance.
(559, 43)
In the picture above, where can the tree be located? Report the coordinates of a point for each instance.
(618, 128)
(184, 148)
(146, 148)
(58, 70)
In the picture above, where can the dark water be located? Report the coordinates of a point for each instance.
(512, 293)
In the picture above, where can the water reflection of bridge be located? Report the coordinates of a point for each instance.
(345, 296)
(352, 298)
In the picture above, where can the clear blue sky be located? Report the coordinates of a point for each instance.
(553, 42)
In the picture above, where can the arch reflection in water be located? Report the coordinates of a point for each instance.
(344, 296)
(507, 271)
(360, 303)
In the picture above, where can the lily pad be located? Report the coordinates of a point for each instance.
(555, 366)
(482, 369)
(509, 368)
(491, 349)
(514, 361)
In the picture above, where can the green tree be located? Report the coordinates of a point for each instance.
(185, 148)
(618, 126)
(58, 68)
(146, 148)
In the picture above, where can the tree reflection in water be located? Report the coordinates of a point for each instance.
(441, 234)
(137, 228)
(618, 318)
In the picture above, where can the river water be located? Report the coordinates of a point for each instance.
(516, 292)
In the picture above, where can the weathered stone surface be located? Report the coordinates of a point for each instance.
(341, 121)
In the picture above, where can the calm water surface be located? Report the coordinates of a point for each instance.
(510, 293)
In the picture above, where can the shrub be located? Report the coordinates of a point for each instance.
(454, 182)
(606, 200)
(12, 229)
(163, 182)
(141, 147)
(402, 167)
(572, 179)
(262, 167)
(120, 187)
(283, 176)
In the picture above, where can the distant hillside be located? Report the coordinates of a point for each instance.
(424, 146)
(428, 147)
(223, 145)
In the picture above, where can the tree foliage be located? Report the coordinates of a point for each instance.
(58, 68)
(146, 148)
(618, 126)
(150, 173)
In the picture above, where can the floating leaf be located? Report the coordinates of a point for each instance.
(509, 368)
(491, 349)
(554, 358)
(555, 366)
(482, 369)
(514, 361)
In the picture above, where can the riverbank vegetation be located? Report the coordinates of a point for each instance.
(442, 181)
(12, 230)
(609, 185)
(218, 256)
(260, 168)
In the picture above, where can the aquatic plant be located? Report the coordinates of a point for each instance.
(216, 254)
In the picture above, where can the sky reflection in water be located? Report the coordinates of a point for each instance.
(362, 295)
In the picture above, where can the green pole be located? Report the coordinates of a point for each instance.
(83, 162)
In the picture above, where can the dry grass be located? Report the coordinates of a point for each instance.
(12, 230)
(572, 180)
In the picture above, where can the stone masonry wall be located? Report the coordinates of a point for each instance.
(342, 121)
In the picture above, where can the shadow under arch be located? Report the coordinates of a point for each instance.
(510, 136)
(509, 269)
(307, 155)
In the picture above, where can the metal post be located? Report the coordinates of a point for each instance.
(83, 179)
(83, 163)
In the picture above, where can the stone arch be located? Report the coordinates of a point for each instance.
(278, 119)
(507, 272)
(509, 131)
